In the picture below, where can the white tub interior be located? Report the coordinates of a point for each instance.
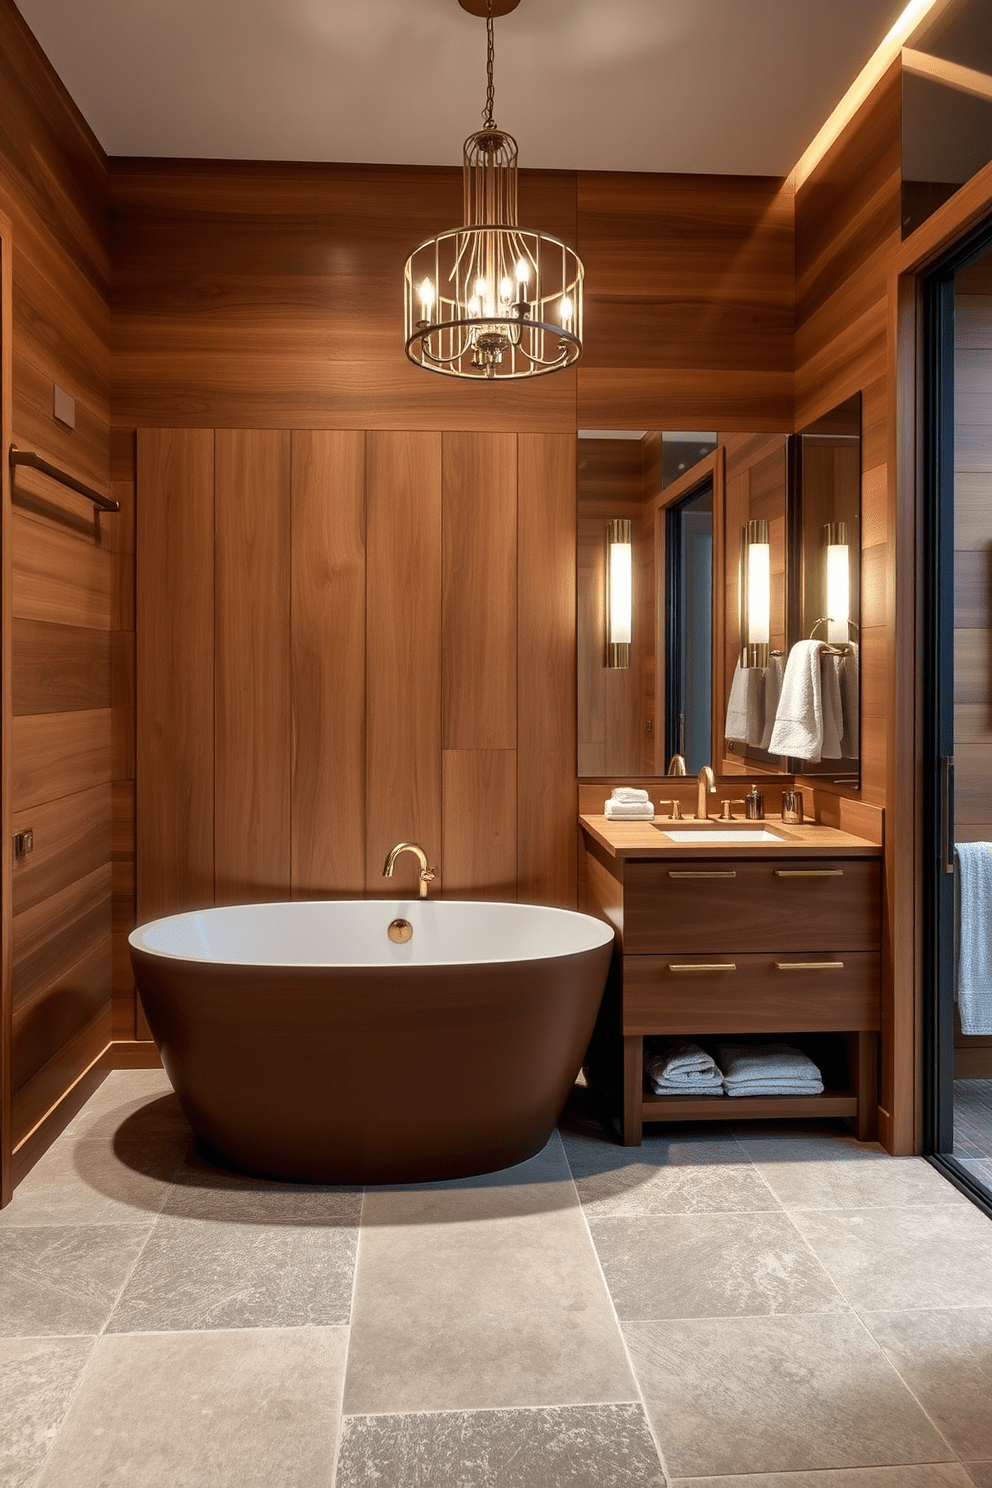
(352, 932)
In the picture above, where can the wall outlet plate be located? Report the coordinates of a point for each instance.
(64, 407)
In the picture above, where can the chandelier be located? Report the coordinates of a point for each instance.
(492, 299)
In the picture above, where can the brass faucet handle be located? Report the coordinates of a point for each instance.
(676, 809)
(726, 811)
(427, 876)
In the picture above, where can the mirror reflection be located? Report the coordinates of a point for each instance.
(718, 600)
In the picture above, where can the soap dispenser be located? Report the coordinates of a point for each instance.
(754, 805)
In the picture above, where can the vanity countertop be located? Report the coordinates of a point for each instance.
(644, 839)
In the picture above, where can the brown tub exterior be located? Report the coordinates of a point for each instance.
(372, 1074)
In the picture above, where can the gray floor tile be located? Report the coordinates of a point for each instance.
(204, 1410)
(97, 1182)
(776, 1394)
(979, 1473)
(130, 1100)
(682, 1174)
(904, 1258)
(37, 1380)
(63, 1281)
(200, 1190)
(889, 1182)
(710, 1265)
(482, 1293)
(591, 1446)
(196, 1274)
(946, 1360)
(932, 1475)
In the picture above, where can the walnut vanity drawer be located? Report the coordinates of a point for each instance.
(697, 906)
(751, 993)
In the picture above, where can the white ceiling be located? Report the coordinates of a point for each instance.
(736, 86)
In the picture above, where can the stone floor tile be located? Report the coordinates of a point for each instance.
(591, 1446)
(140, 1100)
(979, 1473)
(204, 1410)
(946, 1360)
(61, 1281)
(929, 1475)
(710, 1265)
(97, 1182)
(880, 1259)
(482, 1293)
(37, 1380)
(856, 1183)
(683, 1173)
(202, 1190)
(776, 1394)
(197, 1274)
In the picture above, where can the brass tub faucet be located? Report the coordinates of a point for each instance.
(427, 875)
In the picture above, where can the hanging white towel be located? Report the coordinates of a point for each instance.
(973, 901)
(850, 697)
(773, 691)
(833, 714)
(799, 721)
(745, 706)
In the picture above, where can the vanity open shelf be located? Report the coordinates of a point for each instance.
(778, 939)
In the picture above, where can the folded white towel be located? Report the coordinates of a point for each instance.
(850, 697)
(775, 1087)
(773, 691)
(745, 706)
(700, 1086)
(799, 720)
(973, 902)
(629, 810)
(754, 1069)
(629, 793)
(682, 1061)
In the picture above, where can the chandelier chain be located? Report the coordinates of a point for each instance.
(487, 114)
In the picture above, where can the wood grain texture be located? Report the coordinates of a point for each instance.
(546, 750)
(58, 754)
(252, 665)
(72, 839)
(59, 668)
(479, 591)
(175, 667)
(403, 759)
(6, 706)
(61, 577)
(47, 1102)
(478, 827)
(328, 663)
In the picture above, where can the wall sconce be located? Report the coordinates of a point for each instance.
(618, 592)
(838, 582)
(756, 594)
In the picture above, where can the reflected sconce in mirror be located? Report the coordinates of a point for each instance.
(618, 592)
(755, 616)
(838, 582)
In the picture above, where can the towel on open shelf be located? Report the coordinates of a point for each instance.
(683, 1068)
(973, 905)
(767, 1069)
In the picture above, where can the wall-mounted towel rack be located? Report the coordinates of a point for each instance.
(842, 648)
(35, 462)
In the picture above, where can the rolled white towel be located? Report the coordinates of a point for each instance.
(681, 1060)
(700, 1086)
(629, 793)
(628, 810)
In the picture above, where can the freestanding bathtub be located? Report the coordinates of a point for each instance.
(304, 1043)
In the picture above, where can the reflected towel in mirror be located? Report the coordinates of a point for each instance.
(773, 691)
(973, 906)
(745, 706)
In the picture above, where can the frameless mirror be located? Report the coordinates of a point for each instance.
(701, 556)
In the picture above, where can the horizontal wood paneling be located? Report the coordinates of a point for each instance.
(58, 754)
(60, 577)
(72, 838)
(58, 1090)
(59, 668)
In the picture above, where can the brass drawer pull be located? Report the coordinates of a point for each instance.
(808, 872)
(732, 874)
(700, 966)
(809, 966)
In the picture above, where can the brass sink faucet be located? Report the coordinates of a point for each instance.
(706, 785)
(427, 875)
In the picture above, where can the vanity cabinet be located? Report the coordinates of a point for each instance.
(781, 944)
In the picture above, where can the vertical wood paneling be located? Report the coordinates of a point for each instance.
(403, 770)
(479, 840)
(252, 665)
(479, 602)
(328, 678)
(175, 665)
(6, 711)
(546, 758)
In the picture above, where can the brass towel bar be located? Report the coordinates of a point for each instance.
(35, 462)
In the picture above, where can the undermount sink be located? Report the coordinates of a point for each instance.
(719, 834)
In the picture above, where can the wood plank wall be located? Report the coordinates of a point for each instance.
(973, 591)
(67, 597)
(848, 232)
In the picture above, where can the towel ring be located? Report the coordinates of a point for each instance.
(841, 648)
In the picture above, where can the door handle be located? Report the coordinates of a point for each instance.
(947, 813)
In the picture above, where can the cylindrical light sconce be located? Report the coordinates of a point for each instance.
(838, 581)
(618, 592)
(756, 594)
